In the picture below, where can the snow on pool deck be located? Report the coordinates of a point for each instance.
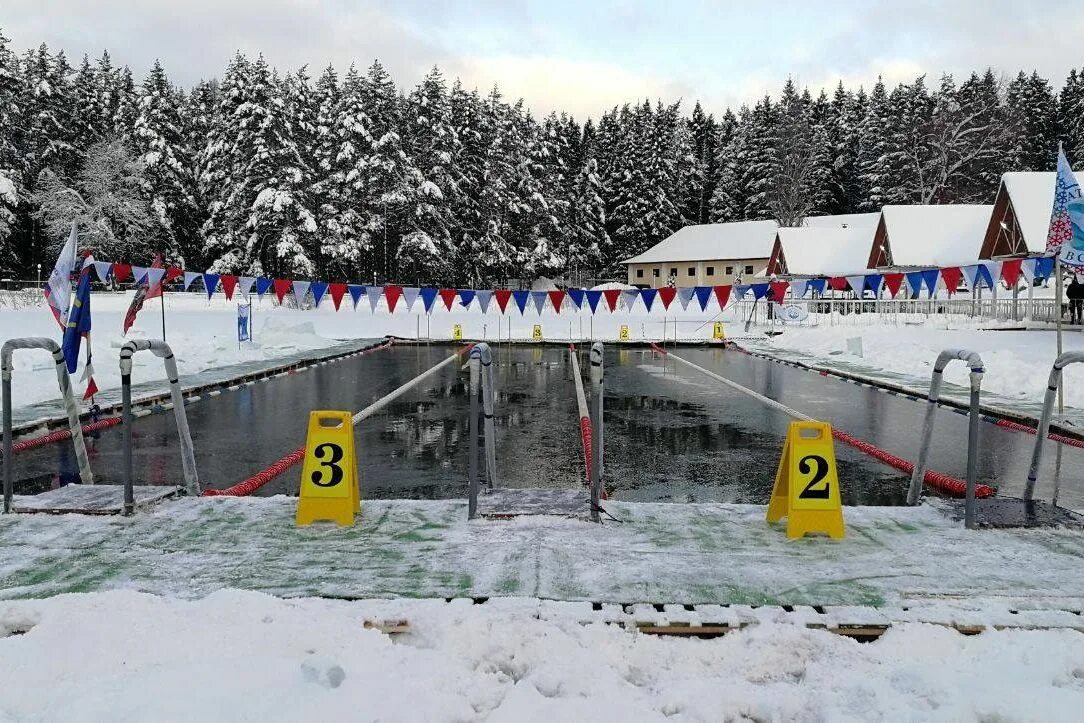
(659, 553)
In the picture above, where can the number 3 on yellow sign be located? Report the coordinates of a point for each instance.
(329, 477)
(806, 489)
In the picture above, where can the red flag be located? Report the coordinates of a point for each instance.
(337, 292)
(392, 294)
(779, 290)
(722, 294)
(229, 283)
(121, 272)
(893, 282)
(611, 296)
(838, 283)
(92, 389)
(666, 295)
(1010, 271)
(142, 294)
(951, 275)
(448, 297)
(557, 298)
(503, 295)
(282, 287)
(172, 272)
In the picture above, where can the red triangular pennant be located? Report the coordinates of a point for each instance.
(172, 272)
(893, 282)
(666, 295)
(611, 296)
(92, 389)
(121, 272)
(392, 294)
(838, 283)
(282, 287)
(1010, 271)
(557, 298)
(503, 295)
(779, 290)
(722, 294)
(448, 297)
(337, 292)
(229, 283)
(951, 275)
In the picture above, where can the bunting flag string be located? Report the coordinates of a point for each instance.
(976, 276)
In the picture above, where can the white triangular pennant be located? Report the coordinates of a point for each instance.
(971, 275)
(1027, 269)
(244, 284)
(102, 268)
(994, 269)
(685, 295)
(373, 292)
(539, 299)
(798, 288)
(138, 274)
(301, 289)
(189, 277)
(629, 297)
(857, 283)
(154, 276)
(410, 295)
(484, 297)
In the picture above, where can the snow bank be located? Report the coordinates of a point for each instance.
(239, 655)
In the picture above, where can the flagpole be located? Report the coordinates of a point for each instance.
(163, 299)
(1057, 309)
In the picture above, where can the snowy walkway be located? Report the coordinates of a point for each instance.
(661, 553)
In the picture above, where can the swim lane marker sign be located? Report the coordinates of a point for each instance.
(329, 476)
(806, 489)
(457, 331)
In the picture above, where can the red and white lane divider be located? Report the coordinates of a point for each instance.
(258, 480)
(585, 415)
(940, 481)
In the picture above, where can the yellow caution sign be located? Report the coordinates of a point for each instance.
(329, 477)
(717, 331)
(457, 331)
(536, 332)
(806, 488)
(623, 335)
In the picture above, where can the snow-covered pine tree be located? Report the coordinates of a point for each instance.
(872, 160)
(497, 253)
(467, 118)
(910, 114)
(756, 161)
(157, 139)
(85, 112)
(1071, 117)
(588, 241)
(701, 176)
(729, 197)
(800, 163)
(12, 189)
(427, 252)
(127, 104)
(1032, 112)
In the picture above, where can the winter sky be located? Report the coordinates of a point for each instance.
(575, 55)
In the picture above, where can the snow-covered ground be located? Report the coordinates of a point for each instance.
(126, 656)
(1017, 363)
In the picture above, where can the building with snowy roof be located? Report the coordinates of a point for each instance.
(824, 245)
(924, 236)
(1021, 217)
(705, 255)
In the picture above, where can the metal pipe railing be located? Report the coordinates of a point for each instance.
(485, 356)
(482, 385)
(188, 457)
(474, 365)
(597, 380)
(1053, 383)
(70, 405)
(918, 474)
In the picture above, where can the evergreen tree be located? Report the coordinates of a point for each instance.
(1071, 117)
(872, 158)
(588, 242)
(11, 180)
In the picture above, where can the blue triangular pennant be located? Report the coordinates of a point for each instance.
(648, 295)
(1044, 266)
(210, 281)
(703, 296)
(263, 286)
(873, 282)
(521, 297)
(539, 299)
(929, 278)
(818, 285)
(576, 297)
(466, 296)
(318, 289)
(759, 290)
(355, 293)
(429, 295)
(593, 299)
(914, 281)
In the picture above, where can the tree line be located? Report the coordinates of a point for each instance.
(349, 176)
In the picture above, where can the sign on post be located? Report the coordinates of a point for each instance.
(457, 331)
(536, 332)
(329, 476)
(717, 331)
(623, 335)
(806, 489)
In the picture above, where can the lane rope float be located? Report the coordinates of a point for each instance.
(258, 480)
(940, 481)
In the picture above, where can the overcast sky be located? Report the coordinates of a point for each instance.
(577, 55)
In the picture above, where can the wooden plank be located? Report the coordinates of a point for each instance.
(90, 499)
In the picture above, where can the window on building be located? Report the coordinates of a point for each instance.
(692, 271)
(639, 273)
(729, 270)
(673, 271)
(748, 270)
(709, 270)
(655, 273)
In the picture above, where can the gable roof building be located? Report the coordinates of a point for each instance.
(824, 246)
(1021, 217)
(934, 235)
(705, 255)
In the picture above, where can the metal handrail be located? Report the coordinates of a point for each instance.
(1054, 381)
(597, 379)
(481, 385)
(64, 380)
(974, 361)
(188, 458)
